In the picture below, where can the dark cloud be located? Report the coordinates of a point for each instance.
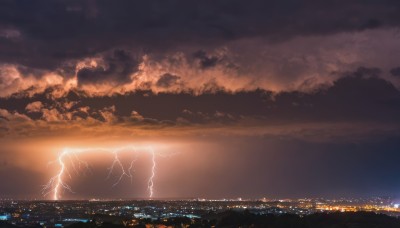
(360, 96)
(167, 80)
(118, 67)
(205, 60)
(395, 71)
(47, 33)
(352, 98)
(31, 71)
(365, 72)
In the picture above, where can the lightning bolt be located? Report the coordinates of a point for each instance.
(153, 173)
(57, 182)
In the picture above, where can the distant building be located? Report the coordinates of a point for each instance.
(5, 217)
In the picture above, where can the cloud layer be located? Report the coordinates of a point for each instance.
(205, 46)
(360, 104)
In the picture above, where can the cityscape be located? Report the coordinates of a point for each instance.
(159, 213)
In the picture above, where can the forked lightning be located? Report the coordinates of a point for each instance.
(58, 183)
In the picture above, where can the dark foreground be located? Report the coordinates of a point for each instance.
(247, 219)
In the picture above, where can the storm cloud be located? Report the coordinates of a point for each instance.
(118, 67)
(360, 100)
(54, 36)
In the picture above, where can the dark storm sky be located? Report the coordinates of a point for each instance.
(269, 98)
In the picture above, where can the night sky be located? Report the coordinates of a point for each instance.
(238, 98)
